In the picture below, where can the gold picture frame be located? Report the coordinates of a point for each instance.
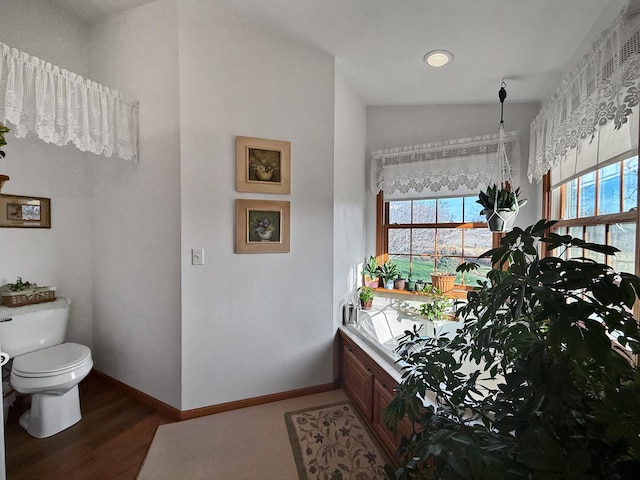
(262, 226)
(263, 165)
(25, 212)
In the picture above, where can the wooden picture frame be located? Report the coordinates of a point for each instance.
(262, 226)
(262, 165)
(25, 212)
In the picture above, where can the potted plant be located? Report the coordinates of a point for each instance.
(389, 272)
(371, 272)
(531, 387)
(365, 295)
(444, 278)
(420, 284)
(437, 309)
(411, 284)
(400, 282)
(500, 206)
(25, 293)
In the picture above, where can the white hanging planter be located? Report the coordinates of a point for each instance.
(500, 202)
(500, 220)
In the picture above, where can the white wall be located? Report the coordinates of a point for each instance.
(349, 191)
(136, 207)
(389, 127)
(60, 256)
(253, 324)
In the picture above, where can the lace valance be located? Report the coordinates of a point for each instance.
(62, 107)
(598, 97)
(450, 168)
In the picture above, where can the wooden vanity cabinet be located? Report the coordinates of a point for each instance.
(357, 380)
(370, 389)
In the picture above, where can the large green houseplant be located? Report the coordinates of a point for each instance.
(531, 387)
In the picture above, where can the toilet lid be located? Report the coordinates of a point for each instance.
(52, 360)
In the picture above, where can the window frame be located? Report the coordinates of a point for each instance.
(382, 230)
(632, 216)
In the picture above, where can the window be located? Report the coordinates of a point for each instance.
(600, 206)
(429, 234)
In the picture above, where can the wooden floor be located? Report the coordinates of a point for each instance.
(110, 442)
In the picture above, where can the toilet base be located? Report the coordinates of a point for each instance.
(50, 414)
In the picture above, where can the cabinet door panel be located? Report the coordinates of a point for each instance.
(358, 382)
(382, 396)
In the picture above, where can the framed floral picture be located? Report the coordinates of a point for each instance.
(25, 212)
(262, 226)
(262, 165)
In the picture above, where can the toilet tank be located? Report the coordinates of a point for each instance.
(33, 327)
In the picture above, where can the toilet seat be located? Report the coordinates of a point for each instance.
(51, 361)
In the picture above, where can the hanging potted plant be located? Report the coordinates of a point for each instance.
(371, 273)
(444, 278)
(500, 206)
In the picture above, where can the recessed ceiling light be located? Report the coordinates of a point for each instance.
(438, 58)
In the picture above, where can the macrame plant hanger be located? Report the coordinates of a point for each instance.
(501, 219)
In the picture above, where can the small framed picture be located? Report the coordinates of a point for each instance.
(262, 165)
(262, 226)
(25, 212)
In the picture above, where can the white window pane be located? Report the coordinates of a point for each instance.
(424, 211)
(402, 262)
(571, 203)
(399, 240)
(472, 210)
(449, 210)
(630, 184)
(623, 236)
(424, 241)
(587, 195)
(449, 241)
(400, 212)
(596, 234)
(609, 189)
(574, 252)
(477, 241)
(422, 266)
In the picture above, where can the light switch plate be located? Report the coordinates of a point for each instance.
(197, 256)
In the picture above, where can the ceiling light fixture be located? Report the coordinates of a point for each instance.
(438, 58)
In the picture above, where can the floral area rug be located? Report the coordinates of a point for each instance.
(330, 442)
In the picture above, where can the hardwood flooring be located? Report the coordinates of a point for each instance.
(110, 442)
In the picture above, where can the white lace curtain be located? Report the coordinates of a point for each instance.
(62, 107)
(450, 168)
(593, 115)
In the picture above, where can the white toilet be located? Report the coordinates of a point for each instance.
(43, 366)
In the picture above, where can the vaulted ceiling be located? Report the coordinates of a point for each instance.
(380, 44)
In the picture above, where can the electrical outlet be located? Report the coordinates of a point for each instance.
(197, 256)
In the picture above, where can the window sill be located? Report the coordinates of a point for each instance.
(459, 291)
